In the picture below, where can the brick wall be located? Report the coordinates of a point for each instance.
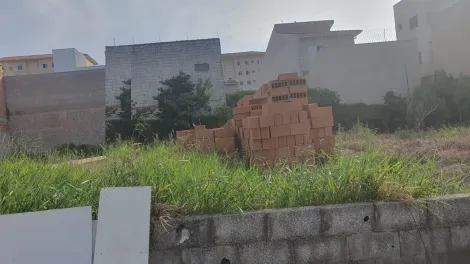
(149, 64)
(57, 108)
(436, 231)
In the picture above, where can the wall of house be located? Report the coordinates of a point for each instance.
(149, 64)
(433, 231)
(365, 72)
(451, 35)
(47, 110)
(4, 133)
(233, 70)
(29, 67)
(282, 56)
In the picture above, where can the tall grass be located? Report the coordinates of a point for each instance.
(197, 183)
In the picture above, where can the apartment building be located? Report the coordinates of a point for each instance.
(242, 69)
(60, 60)
(440, 28)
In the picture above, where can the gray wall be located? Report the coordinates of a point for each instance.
(365, 72)
(57, 108)
(149, 64)
(436, 229)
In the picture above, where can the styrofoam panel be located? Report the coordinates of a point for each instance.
(47, 237)
(122, 233)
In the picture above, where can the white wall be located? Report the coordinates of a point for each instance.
(365, 72)
(64, 60)
(282, 56)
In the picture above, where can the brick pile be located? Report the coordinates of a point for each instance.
(220, 139)
(275, 124)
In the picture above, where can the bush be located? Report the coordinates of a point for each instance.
(231, 99)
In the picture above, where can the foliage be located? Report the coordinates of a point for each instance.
(181, 103)
(323, 97)
(231, 99)
(218, 116)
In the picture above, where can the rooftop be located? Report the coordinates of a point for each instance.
(30, 57)
(245, 53)
(309, 27)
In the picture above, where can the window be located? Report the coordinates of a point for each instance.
(201, 67)
(248, 82)
(238, 63)
(240, 73)
(10, 68)
(253, 71)
(420, 58)
(241, 82)
(247, 72)
(20, 67)
(254, 81)
(399, 27)
(261, 61)
(252, 61)
(246, 62)
(52, 65)
(413, 22)
(44, 65)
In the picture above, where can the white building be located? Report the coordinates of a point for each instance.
(442, 31)
(242, 69)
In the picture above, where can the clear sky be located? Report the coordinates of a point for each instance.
(38, 26)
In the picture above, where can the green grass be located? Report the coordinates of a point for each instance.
(197, 183)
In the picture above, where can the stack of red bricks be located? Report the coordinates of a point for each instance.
(221, 139)
(275, 124)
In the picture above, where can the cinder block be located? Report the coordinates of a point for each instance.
(449, 210)
(265, 132)
(299, 223)
(274, 142)
(266, 121)
(436, 241)
(251, 122)
(460, 237)
(255, 133)
(322, 250)
(238, 229)
(282, 142)
(300, 128)
(280, 131)
(294, 117)
(399, 216)
(209, 255)
(303, 116)
(366, 246)
(300, 140)
(278, 120)
(266, 253)
(348, 219)
(266, 143)
(290, 141)
(256, 144)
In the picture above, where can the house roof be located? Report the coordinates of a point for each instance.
(90, 59)
(309, 27)
(30, 57)
(239, 54)
(333, 33)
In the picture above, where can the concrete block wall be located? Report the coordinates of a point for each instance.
(149, 64)
(437, 231)
(47, 110)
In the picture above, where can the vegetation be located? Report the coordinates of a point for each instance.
(366, 167)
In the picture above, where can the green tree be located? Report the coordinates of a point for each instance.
(232, 98)
(323, 97)
(181, 103)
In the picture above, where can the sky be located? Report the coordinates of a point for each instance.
(38, 26)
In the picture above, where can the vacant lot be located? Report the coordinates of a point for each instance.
(366, 167)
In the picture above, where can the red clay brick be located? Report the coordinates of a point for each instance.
(282, 142)
(288, 76)
(280, 131)
(256, 113)
(251, 122)
(320, 112)
(309, 107)
(322, 122)
(282, 107)
(244, 143)
(328, 131)
(240, 133)
(239, 117)
(282, 153)
(321, 132)
(265, 132)
(313, 133)
(225, 144)
(286, 119)
(300, 128)
(238, 123)
(256, 144)
(203, 133)
(266, 143)
(241, 110)
(266, 121)
(246, 132)
(255, 133)
(299, 140)
(298, 89)
(294, 117)
(305, 151)
(278, 120)
(274, 142)
(290, 141)
(303, 116)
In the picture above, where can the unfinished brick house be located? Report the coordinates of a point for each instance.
(275, 124)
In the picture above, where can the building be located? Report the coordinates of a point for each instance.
(331, 59)
(440, 28)
(60, 60)
(147, 65)
(242, 69)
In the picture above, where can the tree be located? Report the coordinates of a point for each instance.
(232, 98)
(323, 97)
(181, 103)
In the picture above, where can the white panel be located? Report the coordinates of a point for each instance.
(122, 234)
(47, 237)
